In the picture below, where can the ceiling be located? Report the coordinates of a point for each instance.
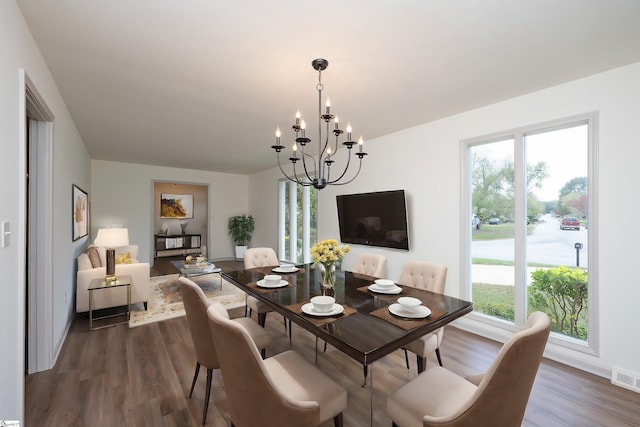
(202, 84)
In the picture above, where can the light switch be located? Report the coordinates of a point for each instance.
(6, 233)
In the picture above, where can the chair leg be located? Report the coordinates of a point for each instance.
(145, 305)
(438, 355)
(206, 397)
(195, 377)
(263, 353)
(337, 420)
(262, 318)
(284, 319)
(289, 332)
(393, 424)
(421, 361)
(406, 357)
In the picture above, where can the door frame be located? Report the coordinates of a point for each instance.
(38, 252)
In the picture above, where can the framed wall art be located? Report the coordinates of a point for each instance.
(79, 212)
(177, 206)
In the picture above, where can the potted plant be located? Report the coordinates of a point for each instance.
(240, 228)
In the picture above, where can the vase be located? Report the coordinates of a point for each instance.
(328, 277)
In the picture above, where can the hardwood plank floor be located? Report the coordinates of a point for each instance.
(141, 377)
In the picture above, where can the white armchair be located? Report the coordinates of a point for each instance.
(140, 280)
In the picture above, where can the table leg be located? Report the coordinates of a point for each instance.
(371, 395)
(91, 310)
(128, 304)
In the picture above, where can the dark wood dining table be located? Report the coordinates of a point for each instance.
(365, 331)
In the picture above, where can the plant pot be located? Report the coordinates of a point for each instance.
(240, 251)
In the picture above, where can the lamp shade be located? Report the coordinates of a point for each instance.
(112, 237)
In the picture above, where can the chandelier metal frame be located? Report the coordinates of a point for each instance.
(320, 175)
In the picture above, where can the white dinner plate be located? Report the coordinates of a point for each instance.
(418, 312)
(282, 271)
(385, 289)
(262, 284)
(308, 309)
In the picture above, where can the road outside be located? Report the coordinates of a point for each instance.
(547, 244)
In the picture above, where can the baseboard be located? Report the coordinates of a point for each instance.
(62, 340)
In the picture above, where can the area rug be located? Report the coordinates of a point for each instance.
(165, 301)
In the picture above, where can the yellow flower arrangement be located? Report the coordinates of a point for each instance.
(328, 252)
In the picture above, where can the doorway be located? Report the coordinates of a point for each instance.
(180, 219)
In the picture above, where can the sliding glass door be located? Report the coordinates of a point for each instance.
(297, 215)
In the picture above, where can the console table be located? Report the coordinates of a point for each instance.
(170, 242)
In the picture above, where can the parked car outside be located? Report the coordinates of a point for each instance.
(569, 223)
(494, 221)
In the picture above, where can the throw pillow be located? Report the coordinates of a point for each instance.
(94, 257)
(124, 259)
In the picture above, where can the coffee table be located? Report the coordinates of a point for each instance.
(185, 270)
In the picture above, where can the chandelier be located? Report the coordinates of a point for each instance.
(317, 171)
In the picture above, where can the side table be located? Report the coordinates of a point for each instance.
(101, 285)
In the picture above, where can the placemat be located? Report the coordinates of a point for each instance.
(320, 321)
(407, 324)
(254, 285)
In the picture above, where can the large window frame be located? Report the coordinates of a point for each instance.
(591, 345)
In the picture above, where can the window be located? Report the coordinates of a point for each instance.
(531, 231)
(297, 219)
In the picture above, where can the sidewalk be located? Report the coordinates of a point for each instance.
(496, 274)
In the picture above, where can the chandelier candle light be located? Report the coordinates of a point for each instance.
(320, 174)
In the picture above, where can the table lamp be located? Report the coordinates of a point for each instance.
(111, 238)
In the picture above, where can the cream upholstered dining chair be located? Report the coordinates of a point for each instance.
(195, 305)
(499, 397)
(259, 257)
(371, 264)
(284, 390)
(432, 277)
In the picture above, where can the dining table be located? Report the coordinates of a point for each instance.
(364, 328)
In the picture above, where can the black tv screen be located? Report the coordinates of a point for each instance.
(374, 219)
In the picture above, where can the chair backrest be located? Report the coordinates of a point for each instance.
(502, 394)
(195, 306)
(254, 398)
(260, 257)
(424, 275)
(371, 264)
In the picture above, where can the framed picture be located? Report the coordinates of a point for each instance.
(177, 206)
(79, 212)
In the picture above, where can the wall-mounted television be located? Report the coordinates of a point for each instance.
(374, 219)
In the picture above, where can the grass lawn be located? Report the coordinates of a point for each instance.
(495, 300)
(500, 231)
(498, 301)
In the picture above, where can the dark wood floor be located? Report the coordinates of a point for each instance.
(140, 377)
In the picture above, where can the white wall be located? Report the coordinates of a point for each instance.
(70, 166)
(122, 193)
(426, 162)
